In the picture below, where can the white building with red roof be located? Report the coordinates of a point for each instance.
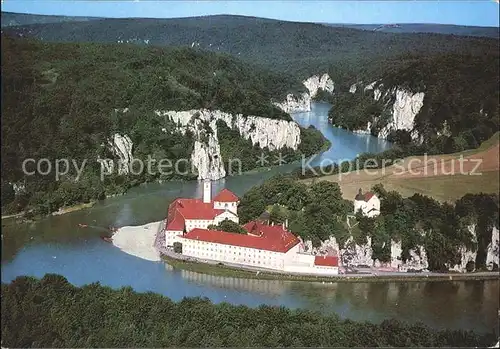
(368, 203)
(185, 215)
(263, 246)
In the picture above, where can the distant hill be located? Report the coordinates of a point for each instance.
(297, 48)
(10, 19)
(446, 29)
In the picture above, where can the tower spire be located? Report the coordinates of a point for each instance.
(207, 191)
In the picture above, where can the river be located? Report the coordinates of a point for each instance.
(57, 245)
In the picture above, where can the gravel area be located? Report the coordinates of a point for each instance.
(138, 241)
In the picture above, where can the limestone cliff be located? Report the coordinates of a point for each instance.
(294, 103)
(316, 82)
(121, 146)
(404, 105)
(302, 102)
(353, 255)
(206, 157)
(493, 252)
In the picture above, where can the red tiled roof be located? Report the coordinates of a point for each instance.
(195, 209)
(182, 209)
(226, 195)
(175, 221)
(326, 261)
(368, 195)
(268, 242)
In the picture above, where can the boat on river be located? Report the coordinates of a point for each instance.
(107, 239)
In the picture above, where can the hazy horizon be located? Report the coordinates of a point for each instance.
(482, 13)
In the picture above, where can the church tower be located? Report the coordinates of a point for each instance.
(207, 191)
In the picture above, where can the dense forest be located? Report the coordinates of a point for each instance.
(318, 211)
(10, 19)
(65, 101)
(52, 313)
(458, 74)
(300, 49)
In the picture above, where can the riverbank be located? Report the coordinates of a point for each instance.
(138, 241)
(228, 271)
(74, 208)
(61, 211)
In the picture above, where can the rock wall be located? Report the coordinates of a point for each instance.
(121, 146)
(405, 107)
(206, 157)
(493, 252)
(417, 261)
(18, 187)
(295, 103)
(316, 82)
(302, 103)
(355, 255)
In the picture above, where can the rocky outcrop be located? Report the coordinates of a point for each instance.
(18, 187)
(302, 102)
(121, 146)
(417, 258)
(406, 106)
(294, 103)
(354, 255)
(493, 251)
(466, 255)
(316, 82)
(206, 157)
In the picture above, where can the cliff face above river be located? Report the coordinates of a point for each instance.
(429, 101)
(354, 255)
(203, 128)
(206, 155)
(302, 102)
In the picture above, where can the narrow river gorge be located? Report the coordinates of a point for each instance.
(57, 245)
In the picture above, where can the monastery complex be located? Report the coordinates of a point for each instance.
(264, 246)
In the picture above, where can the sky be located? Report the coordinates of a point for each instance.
(478, 13)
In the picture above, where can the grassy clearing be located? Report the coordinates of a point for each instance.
(440, 187)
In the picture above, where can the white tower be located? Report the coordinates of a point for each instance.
(207, 191)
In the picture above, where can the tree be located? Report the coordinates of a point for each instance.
(277, 214)
(228, 226)
(178, 247)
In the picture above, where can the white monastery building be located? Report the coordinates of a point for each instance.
(368, 203)
(264, 246)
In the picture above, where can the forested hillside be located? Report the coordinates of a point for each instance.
(76, 88)
(447, 29)
(10, 19)
(52, 313)
(300, 49)
(65, 101)
(318, 212)
(460, 105)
